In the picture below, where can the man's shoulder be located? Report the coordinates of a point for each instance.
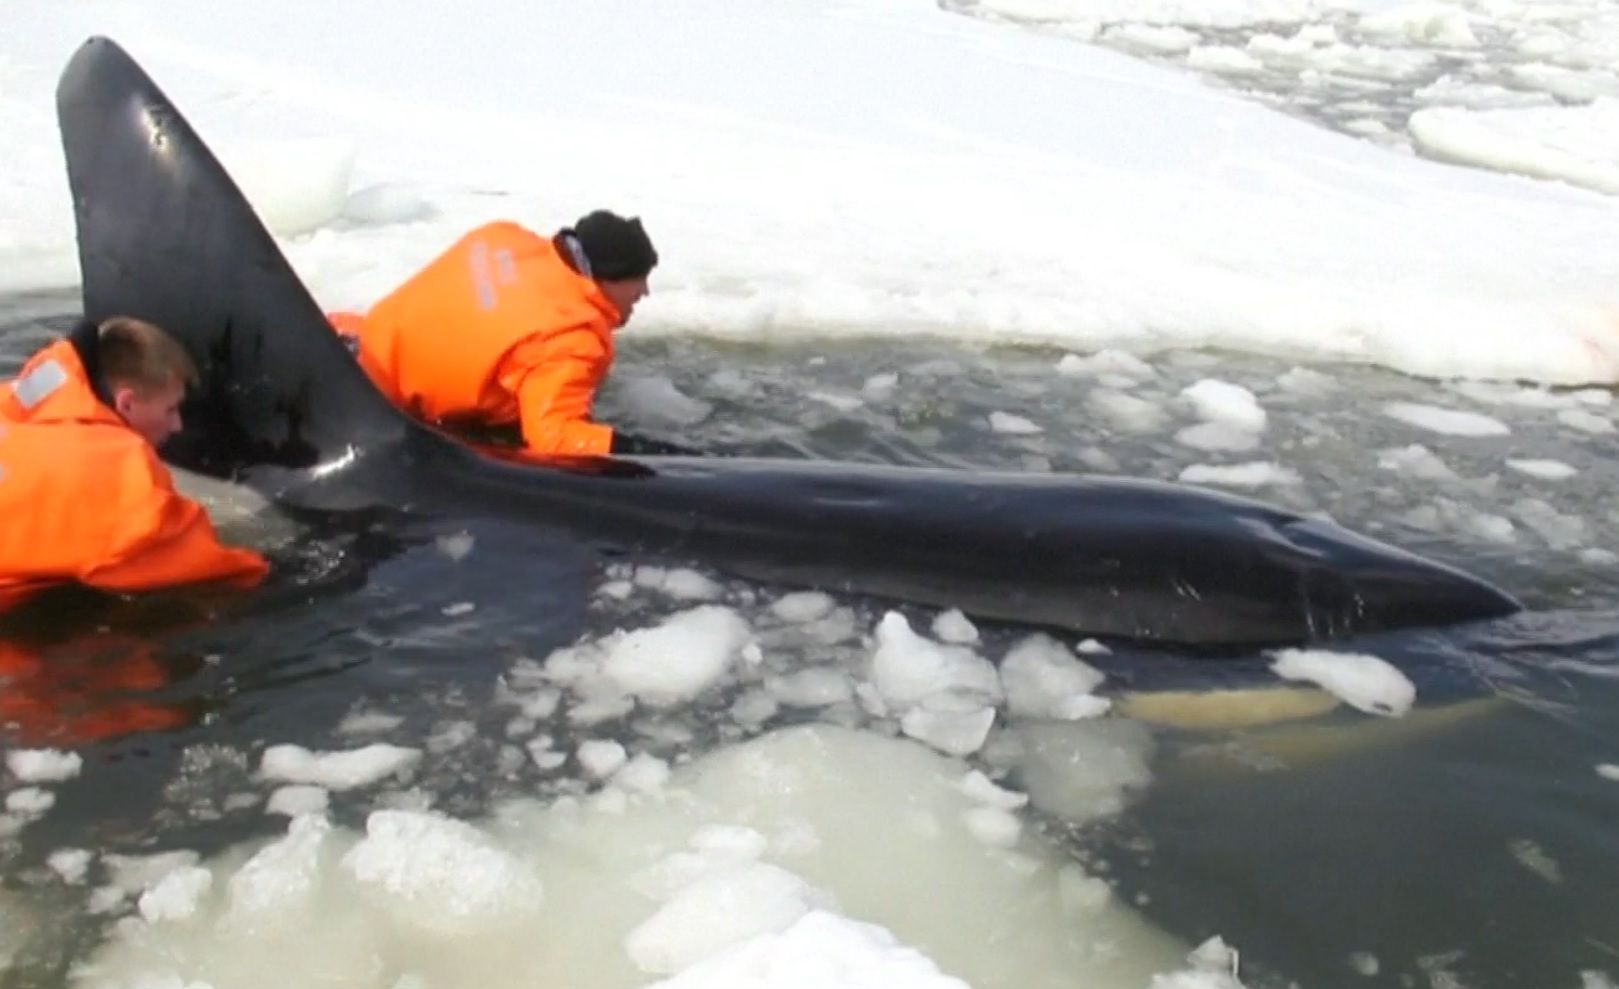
(506, 232)
(104, 461)
(121, 452)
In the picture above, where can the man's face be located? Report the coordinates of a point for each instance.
(625, 293)
(152, 412)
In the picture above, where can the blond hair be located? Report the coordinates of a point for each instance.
(136, 354)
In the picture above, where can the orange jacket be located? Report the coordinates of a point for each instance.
(498, 329)
(85, 498)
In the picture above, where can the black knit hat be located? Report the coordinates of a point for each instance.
(615, 247)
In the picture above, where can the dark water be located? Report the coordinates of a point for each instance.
(1469, 844)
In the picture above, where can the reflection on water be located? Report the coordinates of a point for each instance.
(1469, 843)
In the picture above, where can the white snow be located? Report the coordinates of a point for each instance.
(1208, 220)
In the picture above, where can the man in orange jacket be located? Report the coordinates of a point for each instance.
(508, 327)
(83, 495)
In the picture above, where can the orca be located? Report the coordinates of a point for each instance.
(166, 235)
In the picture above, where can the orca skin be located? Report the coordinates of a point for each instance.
(164, 234)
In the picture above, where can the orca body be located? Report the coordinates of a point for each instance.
(165, 234)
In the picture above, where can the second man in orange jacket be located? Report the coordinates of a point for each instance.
(83, 495)
(511, 328)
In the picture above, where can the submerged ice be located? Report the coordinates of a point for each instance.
(743, 861)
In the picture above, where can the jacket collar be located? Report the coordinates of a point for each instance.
(54, 386)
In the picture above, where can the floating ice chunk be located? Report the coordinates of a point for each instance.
(1546, 470)
(1442, 24)
(1218, 436)
(133, 874)
(814, 687)
(1362, 681)
(1163, 40)
(1452, 422)
(802, 606)
(1211, 965)
(364, 722)
(1573, 85)
(177, 895)
(30, 801)
(880, 386)
(43, 765)
(680, 583)
(1417, 461)
(540, 705)
(1535, 858)
(819, 950)
(1106, 362)
(907, 668)
(617, 590)
(954, 626)
(1127, 412)
(72, 864)
(298, 800)
(679, 659)
(643, 774)
(982, 789)
(544, 756)
(1250, 475)
(278, 883)
(1585, 422)
(754, 707)
(602, 758)
(1575, 144)
(721, 909)
(843, 403)
(456, 545)
(1042, 679)
(1078, 770)
(1006, 422)
(386, 203)
(1304, 381)
(1223, 59)
(993, 826)
(1224, 402)
(450, 736)
(1560, 531)
(956, 732)
(337, 770)
(440, 875)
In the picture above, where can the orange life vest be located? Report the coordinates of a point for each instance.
(85, 498)
(496, 330)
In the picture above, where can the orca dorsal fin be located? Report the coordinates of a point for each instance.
(165, 235)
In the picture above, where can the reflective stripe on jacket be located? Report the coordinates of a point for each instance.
(85, 498)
